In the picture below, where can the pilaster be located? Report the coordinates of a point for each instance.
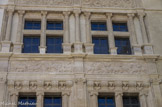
(65, 99)
(18, 45)
(14, 99)
(119, 99)
(40, 98)
(93, 99)
(113, 49)
(42, 47)
(143, 99)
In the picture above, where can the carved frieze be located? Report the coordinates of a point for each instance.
(116, 68)
(41, 66)
(88, 3)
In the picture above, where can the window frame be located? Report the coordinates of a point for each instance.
(26, 20)
(55, 28)
(129, 47)
(129, 95)
(31, 36)
(99, 22)
(118, 23)
(54, 36)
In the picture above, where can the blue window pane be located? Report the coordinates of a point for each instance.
(31, 44)
(98, 26)
(123, 45)
(52, 101)
(54, 44)
(100, 45)
(54, 25)
(27, 101)
(32, 25)
(106, 101)
(122, 27)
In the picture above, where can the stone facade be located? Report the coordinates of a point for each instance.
(79, 74)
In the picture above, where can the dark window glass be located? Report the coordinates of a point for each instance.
(31, 44)
(27, 101)
(120, 27)
(131, 101)
(54, 25)
(54, 44)
(98, 26)
(107, 101)
(32, 25)
(100, 45)
(123, 45)
(52, 101)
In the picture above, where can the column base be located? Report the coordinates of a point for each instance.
(147, 49)
(17, 47)
(78, 47)
(42, 49)
(66, 48)
(137, 50)
(6, 46)
(113, 51)
(89, 48)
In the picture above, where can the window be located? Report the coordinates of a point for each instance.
(98, 26)
(52, 101)
(123, 45)
(31, 44)
(32, 25)
(131, 101)
(122, 27)
(54, 44)
(27, 101)
(54, 25)
(107, 101)
(100, 45)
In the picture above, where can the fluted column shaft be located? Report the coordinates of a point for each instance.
(94, 99)
(9, 25)
(143, 28)
(65, 99)
(119, 99)
(110, 29)
(66, 27)
(40, 96)
(19, 29)
(88, 30)
(132, 28)
(43, 29)
(143, 99)
(77, 25)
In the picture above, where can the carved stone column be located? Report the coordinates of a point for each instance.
(119, 99)
(78, 48)
(40, 98)
(65, 99)
(143, 99)
(66, 45)
(147, 47)
(93, 99)
(113, 49)
(7, 43)
(136, 48)
(88, 45)
(18, 44)
(42, 47)
(14, 99)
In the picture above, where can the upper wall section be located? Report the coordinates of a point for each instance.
(81, 3)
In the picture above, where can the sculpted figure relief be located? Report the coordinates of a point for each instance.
(41, 66)
(115, 68)
(89, 3)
